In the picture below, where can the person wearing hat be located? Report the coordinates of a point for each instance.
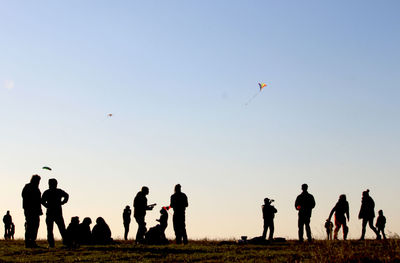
(268, 211)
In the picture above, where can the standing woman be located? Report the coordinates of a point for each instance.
(341, 210)
(367, 214)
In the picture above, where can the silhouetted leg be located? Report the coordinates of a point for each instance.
(308, 230)
(271, 230)
(177, 228)
(383, 233)
(264, 234)
(371, 225)
(183, 230)
(345, 230)
(364, 225)
(126, 226)
(61, 226)
(32, 226)
(50, 236)
(141, 229)
(336, 231)
(301, 228)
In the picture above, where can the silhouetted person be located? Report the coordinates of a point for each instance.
(341, 210)
(12, 231)
(126, 216)
(72, 233)
(31, 202)
(367, 214)
(305, 202)
(101, 233)
(53, 199)
(268, 211)
(85, 234)
(140, 208)
(156, 234)
(380, 223)
(179, 202)
(163, 220)
(329, 229)
(7, 220)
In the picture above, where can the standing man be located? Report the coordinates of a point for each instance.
(179, 202)
(268, 211)
(304, 204)
(367, 214)
(31, 202)
(140, 207)
(7, 220)
(341, 209)
(126, 216)
(53, 199)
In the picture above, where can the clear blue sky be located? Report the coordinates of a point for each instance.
(176, 75)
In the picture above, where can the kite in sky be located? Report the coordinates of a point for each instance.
(109, 115)
(261, 85)
(46, 168)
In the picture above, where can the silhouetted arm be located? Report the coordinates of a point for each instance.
(331, 213)
(65, 197)
(44, 199)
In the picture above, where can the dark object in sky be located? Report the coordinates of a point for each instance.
(46, 168)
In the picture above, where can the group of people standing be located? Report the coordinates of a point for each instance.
(178, 202)
(79, 233)
(305, 203)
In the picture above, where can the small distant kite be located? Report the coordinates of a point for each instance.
(109, 115)
(261, 85)
(46, 168)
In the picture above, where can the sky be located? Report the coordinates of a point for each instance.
(176, 75)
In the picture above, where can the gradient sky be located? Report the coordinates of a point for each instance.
(176, 75)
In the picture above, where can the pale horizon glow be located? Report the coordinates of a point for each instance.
(176, 76)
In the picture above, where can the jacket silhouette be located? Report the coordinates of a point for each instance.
(32, 204)
(304, 204)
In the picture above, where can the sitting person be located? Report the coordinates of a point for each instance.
(72, 233)
(101, 233)
(85, 235)
(156, 234)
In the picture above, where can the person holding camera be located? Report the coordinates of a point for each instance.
(268, 211)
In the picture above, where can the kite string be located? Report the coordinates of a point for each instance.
(255, 95)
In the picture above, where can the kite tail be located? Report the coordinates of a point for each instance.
(252, 98)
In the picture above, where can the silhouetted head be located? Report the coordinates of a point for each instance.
(87, 221)
(35, 180)
(365, 193)
(75, 220)
(127, 207)
(100, 221)
(53, 183)
(304, 187)
(266, 201)
(380, 212)
(145, 190)
(8, 212)
(177, 188)
(342, 198)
